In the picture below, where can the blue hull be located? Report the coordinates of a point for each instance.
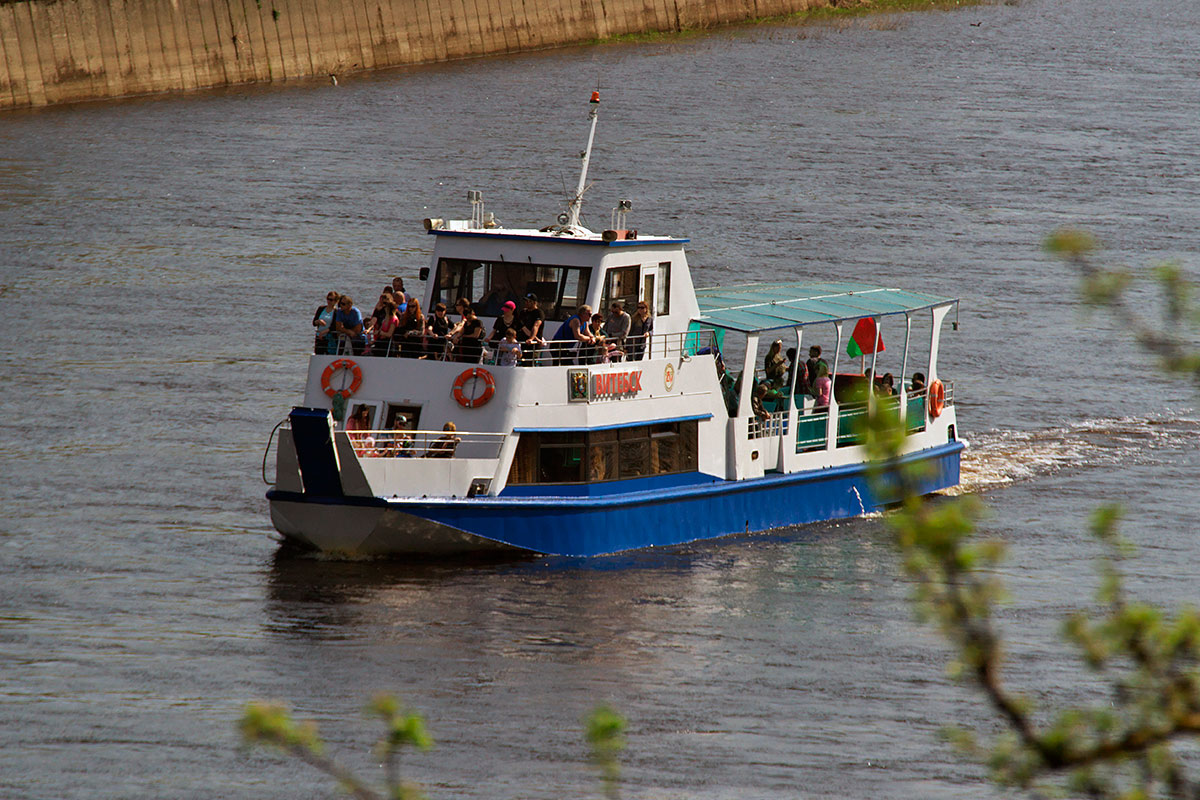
(626, 517)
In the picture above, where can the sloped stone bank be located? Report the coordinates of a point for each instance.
(61, 51)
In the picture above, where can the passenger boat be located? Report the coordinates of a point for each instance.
(660, 445)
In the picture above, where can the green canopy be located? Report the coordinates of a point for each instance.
(772, 306)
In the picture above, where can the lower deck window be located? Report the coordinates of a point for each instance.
(593, 456)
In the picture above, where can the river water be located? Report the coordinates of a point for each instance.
(159, 262)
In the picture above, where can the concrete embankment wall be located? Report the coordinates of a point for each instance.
(60, 51)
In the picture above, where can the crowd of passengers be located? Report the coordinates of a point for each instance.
(813, 379)
(397, 327)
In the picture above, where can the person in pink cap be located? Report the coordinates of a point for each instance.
(506, 320)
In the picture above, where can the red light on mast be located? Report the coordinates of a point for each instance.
(596, 97)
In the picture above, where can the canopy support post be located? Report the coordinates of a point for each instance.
(787, 442)
(831, 425)
(903, 393)
(939, 315)
(871, 404)
(748, 375)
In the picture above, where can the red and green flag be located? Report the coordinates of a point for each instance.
(866, 338)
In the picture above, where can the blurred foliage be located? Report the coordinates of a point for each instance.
(604, 730)
(1138, 737)
(1173, 341)
(271, 725)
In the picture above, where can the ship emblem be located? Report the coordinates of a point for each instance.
(577, 385)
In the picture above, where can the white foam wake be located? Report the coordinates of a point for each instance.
(1001, 457)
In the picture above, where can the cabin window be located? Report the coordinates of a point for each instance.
(596, 456)
(663, 301)
(412, 415)
(621, 284)
(490, 284)
(602, 456)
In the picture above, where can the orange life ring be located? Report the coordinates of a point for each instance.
(936, 399)
(489, 387)
(355, 372)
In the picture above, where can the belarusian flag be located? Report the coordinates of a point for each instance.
(865, 339)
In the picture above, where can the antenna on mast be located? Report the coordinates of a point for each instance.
(577, 201)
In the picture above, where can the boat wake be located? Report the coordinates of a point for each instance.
(1002, 457)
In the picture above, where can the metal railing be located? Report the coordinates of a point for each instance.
(543, 354)
(812, 425)
(812, 431)
(682, 345)
(772, 425)
(425, 444)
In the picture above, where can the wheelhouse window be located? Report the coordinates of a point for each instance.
(490, 284)
(663, 301)
(621, 284)
(594, 456)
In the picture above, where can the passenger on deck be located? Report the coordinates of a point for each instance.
(385, 330)
(398, 290)
(470, 337)
(506, 320)
(372, 322)
(348, 321)
(886, 386)
(359, 419)
(323, 322)
(509, 349)
(822, 387)
(918, 383)
(598, 352)
(573, 335)
(357, 426)
(412, 330)
(617, 325)
(814, 359)
(775, 365)
(801, 378)
(460, 306)
(445, 445)
(398, 443)
(438, 331)
(756, 401)
(399, 298)
(640, 328)
(533, 327)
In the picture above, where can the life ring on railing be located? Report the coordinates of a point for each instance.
(937, 399)
(346, 364)
(489, 387)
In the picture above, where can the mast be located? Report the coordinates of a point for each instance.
(577, 201)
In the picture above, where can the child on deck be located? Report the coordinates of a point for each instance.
(510, 349)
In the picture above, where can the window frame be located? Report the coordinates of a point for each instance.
(620, 445)
(662, 287)
(632, 286)
(478, 281)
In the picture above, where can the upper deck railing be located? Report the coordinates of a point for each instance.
(540, 354)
